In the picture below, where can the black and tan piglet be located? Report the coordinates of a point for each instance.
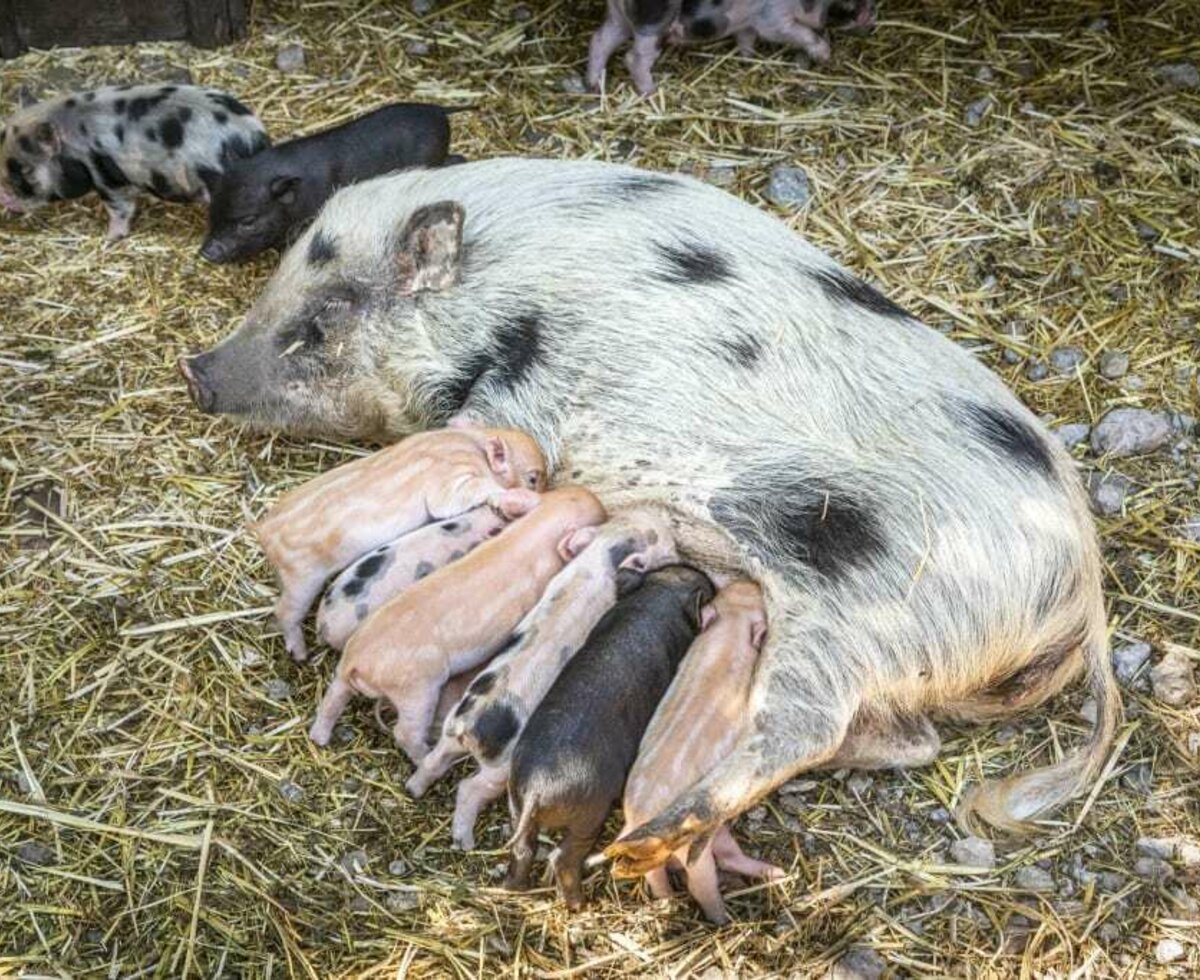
(171, 141)
(570, 764)
(264, 202)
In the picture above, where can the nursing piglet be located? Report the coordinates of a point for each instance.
(488, 720)
(456, 618)
(696, 726)
(570, 764)
(328, 522)
(391, 568)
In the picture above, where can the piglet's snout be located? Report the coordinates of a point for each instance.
(192, 369)
(214, 250)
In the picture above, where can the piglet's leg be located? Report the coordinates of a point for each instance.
(415, 706)
(605, 41)
(433, 767)
(659, 883)
(332, 705)
(798, 36)
(568, 860)
(745, 42)
(704, 887)
(730, 857)
(121, 209)
(520, 859)
(640, 60)
(293, 603)
(473, 795)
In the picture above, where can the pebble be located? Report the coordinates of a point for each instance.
(573, 84)
(789, 187)
(1168, 950)
(1187, 853)
(418, 49)
(1072, 434)
(1114, 364)
(1130, 432)
(278, 690)
(858, 963)
(984, 74)
(521, 13)
(354, 862)
(397, 867)
(290, 791)
(1087, 710)
(1157, 847)
(404, 901)
(1065, 360)
(359, 904)
(1034, 879)
(32, 852)
(1037, 371)
(939, 814)
(1129, 659)
(859, 783)
(1173, 680)
(974, 852)
(1110, 882)
(422, 7)
(1139, 778)
(1179, 74)
(1146, 232)
(1097, 25)
(848, 94)
(974, 114)
(1153, 869)
(1190, 528)
(1108, 491)
(290, 58)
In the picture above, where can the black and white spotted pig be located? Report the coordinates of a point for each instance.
(387, 571)
(489, 719)
(647, 23)
(570, 763)
(923, 545)
(168, 140)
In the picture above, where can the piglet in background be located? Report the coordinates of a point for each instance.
(696, 726)
(172, 141)
(322, 526)
(489, 719)
(267, 201)
(456, 618)
(570, 763)
(387, 571)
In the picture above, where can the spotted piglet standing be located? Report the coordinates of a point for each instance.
(171, 141)
(695, 726)
(456, 618)
(487, 722)
(328, 522)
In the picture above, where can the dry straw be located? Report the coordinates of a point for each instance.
(163, 811)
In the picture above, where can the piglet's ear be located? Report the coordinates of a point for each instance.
(695, 609)
(758, 635)
(571, 545)
(46, 136)
(707, 616)
(497, 456)
(635, 562)
(283, 189)
(429, 252)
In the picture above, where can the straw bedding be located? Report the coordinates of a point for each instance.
(1021, 175)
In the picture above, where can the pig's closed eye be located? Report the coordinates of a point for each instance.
(533, 480)
(335, 307)
(248, 222)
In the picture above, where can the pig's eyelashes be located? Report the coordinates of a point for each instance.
(249, 222)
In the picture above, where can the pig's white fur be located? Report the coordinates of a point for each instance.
(631, 370)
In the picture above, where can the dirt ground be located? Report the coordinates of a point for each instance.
(1024, 176)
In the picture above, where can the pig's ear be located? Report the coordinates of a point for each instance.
(707, 615)
(635, 562)
(498, 458)
(429, 254)
(570, 546)
(283, 189)
(46, 136)
(758, 635)
(695, 609)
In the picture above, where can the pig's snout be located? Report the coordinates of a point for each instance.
(192, 369)
(215, 251)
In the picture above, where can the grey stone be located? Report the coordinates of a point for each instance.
(1190, 528)
(290, 791)
(1168, 951)
(1187, 853)
(974, 114)
(1183, 423)
(848, 94)
(1108, 491)
(1110, 882)
(1087, 710)
(573, 84)
(1139, 778)
(359, 903)
(1114, 364)
(1130, 432)
(974, 852)
(789, 187)
(939, 814)
(521, 13)
(1072, 434)
(858, 963)
(859, 783)
(1158, 847)
(397, 868)
(418, 49)
(984, 74)
(1179, 74)
(33, 852)
(1097, 25)
(278, 690)
(1129, 659)
(422, 7)
(1037, 371)
(1034, 879)
(290, 58)
(353, 862)
(1065, 360)
(1153, 869)
(1173, 680)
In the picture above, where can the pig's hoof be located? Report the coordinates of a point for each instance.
(319, 735)
(514, 883)
(464, 840)
(416, 787)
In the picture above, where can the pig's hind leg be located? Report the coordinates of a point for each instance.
(121, 208)
(414, 711)
(610, 36)
(567, 860)
(704, 887)
(434, 766)
(294, 601)
(798, 36)
(332, 705)
(640, 61)
(472, 796)
(730, 857)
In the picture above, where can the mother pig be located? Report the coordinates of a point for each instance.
(923, 546)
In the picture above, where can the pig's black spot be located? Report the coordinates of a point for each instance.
(184, 114)
(16, 177)
(220, 116)
(693, 264)
(90, 97)
(168, 90)
(450, 527)
(361, 610)
(464, 705)
(237, 148)
(72, 103)
(172, 133)
(805, 522)
(517, 346)
(620, 551)
(353, 587)
(25, 143)
(230, 103)
(703, 27)
(142, 104)
(740, 349)
(119, 132)
(494, 729)
(482, 684)
(83, 130)
(119, 106)
(125, 88)
(151, 134)
(840, 286)
(1006, 436)
(321, 249)
(110, 173)
(423, 568)
(369, 566)
(76, 178)
(208, 176)
(628, 579)
(632, 187)
(159, 184)
(456, 555)
(647, 12)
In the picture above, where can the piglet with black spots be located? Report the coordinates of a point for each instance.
(171, 141)
(570, 764)
(266, 201)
